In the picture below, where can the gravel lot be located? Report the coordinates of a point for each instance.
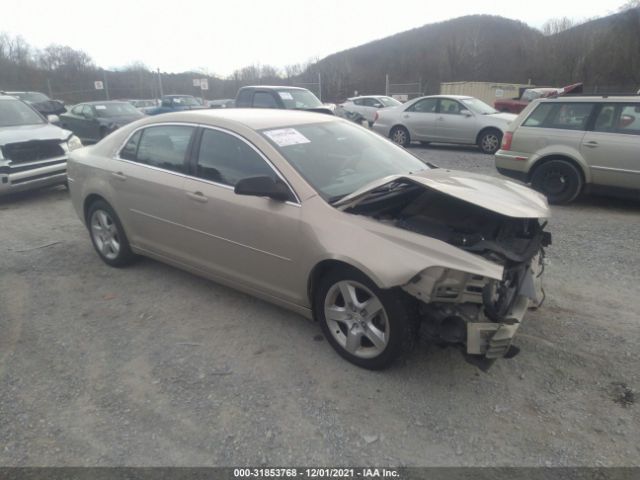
(150, 365)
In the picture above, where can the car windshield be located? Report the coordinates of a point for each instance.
(294, 99)
(14, 113)
(186, 101)
(338, 158)
(390, 102)
(478, 106)
(34, 97)
(116, 109)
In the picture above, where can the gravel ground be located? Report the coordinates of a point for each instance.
(150, 365)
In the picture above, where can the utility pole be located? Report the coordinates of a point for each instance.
(49, 88)
(320, 86)
(160, 83)
(106, 86)
(386, 84)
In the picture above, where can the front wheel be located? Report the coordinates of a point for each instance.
(489, 141)
(400, 136)
(367, 326)
(559, 180)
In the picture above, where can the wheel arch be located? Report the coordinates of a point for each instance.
(88, 201)
(567, 158)
(399, 125)
(324, 266)
(487, 129)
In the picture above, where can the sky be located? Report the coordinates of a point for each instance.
(218, 37)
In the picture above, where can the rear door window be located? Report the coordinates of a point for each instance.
(428, 105)
(164, 146)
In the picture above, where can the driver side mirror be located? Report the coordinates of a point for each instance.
(263, 186)
(53, 119)
(465, 112)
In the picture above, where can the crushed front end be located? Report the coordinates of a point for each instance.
(462, 308)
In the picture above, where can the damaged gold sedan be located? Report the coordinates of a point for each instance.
(322, 217)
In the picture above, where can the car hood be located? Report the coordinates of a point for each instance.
(26, 133)
(495, 194)
(507, 117)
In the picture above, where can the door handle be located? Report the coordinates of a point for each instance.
(197, 197)
(119, 175)
(440, 118)
(591, 144)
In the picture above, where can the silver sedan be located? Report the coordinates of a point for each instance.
(444, 119)
(323, 217)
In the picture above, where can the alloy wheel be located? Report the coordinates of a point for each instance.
(356, 319)
(490, 143)
(105, 234)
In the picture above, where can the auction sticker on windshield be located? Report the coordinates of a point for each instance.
(285, 95)
(286, 136)
(100, 107)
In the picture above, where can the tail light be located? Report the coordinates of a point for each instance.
(375, 117)
(506, 141)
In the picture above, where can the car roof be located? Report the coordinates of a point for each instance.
(272, 87)
(592, 98)
(8, 97)
(253, 118)
(97, 102)
(458, 97)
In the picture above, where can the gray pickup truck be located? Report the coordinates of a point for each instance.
(283, 97)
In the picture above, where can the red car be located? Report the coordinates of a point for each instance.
(516, 105)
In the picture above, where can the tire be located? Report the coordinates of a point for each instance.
(108, 236)
(490, 140)
(372, 340)
(560, 181)
(400, 136)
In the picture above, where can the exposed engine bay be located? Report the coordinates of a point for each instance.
(460, 307)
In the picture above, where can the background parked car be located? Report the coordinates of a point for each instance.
(365, 107)
(516, 105)
(40, 102)
(92, 121)
(33, 152)
(567, 146)
(175, 103)
(222, 103)
(444, 119)
(284, 97)
(143, 104)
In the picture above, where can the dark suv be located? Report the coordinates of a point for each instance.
(290, 98)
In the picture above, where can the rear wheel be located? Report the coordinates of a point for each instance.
(489, 141)
(400, 135)
(107, 235)
(367, 326)
(559, 180)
